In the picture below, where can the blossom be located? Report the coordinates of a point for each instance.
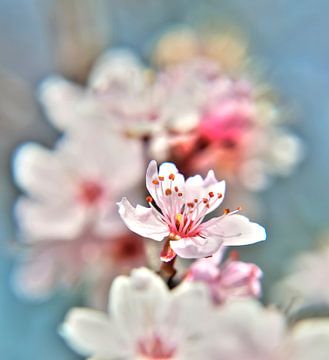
(146, 321)
(88, 261)
(118, 96)
(177, 210)
(303, 286)
(247, 330)
(67, 216)
(226, 280)
(74, 187)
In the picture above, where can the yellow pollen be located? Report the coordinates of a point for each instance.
(179, 218)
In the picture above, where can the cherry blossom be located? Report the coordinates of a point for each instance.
(74, 187)
(146, 321)
(177, 210)
(226, 279)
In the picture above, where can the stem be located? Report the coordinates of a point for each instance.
(167, 270)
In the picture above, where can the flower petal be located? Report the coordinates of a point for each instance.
(196, 247)
(39, 222)
(233, 230)
(136, 302)
(143, 221)
(89, 332)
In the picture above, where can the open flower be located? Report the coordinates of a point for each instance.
(177, 210)
(74, 187)
(226, 280)
(146, 321)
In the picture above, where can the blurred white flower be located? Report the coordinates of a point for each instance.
(67, 216)
(118, 96)
(305, 284)
(179, 210)
(246, 330)
(229, 279)
(146, 321)
(74, 187)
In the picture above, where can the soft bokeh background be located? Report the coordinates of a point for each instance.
(288, 39)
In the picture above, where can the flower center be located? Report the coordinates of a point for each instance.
(183, 217)
(90, 192)
(154, 348)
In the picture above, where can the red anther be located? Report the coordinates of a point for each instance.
(219, 195)
(161, 178)
(168, 192)
(196, 201)
(171, 177)
(155, 182)
(176, 188)
(180, 194)
(190, 205)
(205, 201)
(239, 208)
(149, 199)
(207, 206)
(226, 211)
(211, 194)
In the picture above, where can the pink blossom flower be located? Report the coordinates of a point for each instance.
(228, 279)
(177, 210)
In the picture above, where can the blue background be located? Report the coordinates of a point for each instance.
(290, 40)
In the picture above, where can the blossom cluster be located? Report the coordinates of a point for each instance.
(180, 124)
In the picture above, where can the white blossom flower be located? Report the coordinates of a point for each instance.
(146, 321)
(246, 330)
(177, 210)
(74, 187)
(305, 284)
(118, 96)
(229, 279)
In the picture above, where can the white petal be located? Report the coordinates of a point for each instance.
(90, 333)
(39, 221)
(60, 99)
(196, 247)
(41, 173)
(35, 279)
(143, 221)
(310, 339)
(233, 230)
(136, 302)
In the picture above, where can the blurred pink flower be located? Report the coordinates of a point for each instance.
(226, 280)
(177, 210)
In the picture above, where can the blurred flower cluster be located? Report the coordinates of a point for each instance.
(196, 110)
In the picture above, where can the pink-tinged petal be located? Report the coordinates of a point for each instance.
(143, 221)
(168, 178)
(196, 247)
(233, 230)
(40, 222)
